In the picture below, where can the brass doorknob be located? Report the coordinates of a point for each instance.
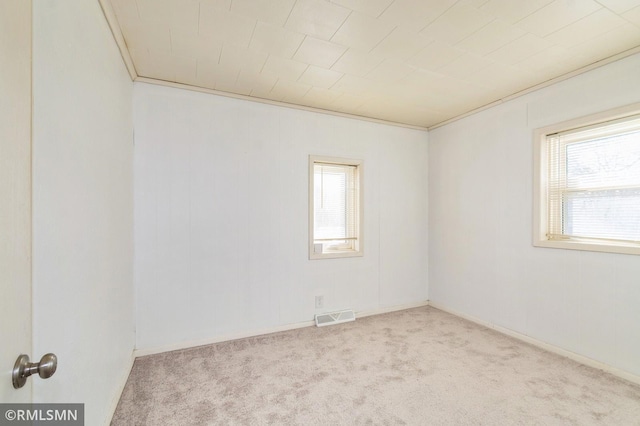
(22, 369)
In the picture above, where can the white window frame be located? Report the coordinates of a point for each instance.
(359, 242)
(540, 182)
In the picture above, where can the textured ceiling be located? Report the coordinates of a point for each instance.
(416, 62)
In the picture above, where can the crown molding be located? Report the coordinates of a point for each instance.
(597, 64)
(272, 102)
(112, 21)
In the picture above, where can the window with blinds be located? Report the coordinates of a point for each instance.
(592, 194)
(335, 207)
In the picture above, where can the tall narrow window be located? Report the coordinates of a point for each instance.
(335, 212)
(592, 191)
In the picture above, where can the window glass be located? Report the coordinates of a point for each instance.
(335, 207)
(590, 182)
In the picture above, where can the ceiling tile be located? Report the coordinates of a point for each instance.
(285, 69)
(317, 18)
(513, 11)
(194, 45)
(358, 63)
(319, 52)
(433, 101)
(361, 32)
(625, 37)
(178, 16)
(456, 24)
(435, 56)
(519, 50)
(125, 9)
(273, 12)
(401, 45)
(490, 38)
(252, 80)
(185, 70)
(411, 61)
(421, 81)
(375, 108)
(216, 4)
(140, 58)
(245, 59)
(557, 15)
(619, 6)
(415, 15)
(148, 10)
(461, 89)
(500, 75)
(464, 65)
(591, 26)
(381, 109)
(414, 115)
(477, 4)
(355, 85)
(206, 73)
(285, 90)
(369, 7)
(547, 61)
(320, 98)
(129, 26)
(229, 28)
(319, 77)
(348, 102)
(169, 67)
(226, 82)
(210, 73)
(275, 40)
(148, 35)
(390, 71)
(262, 92)
(633, 16)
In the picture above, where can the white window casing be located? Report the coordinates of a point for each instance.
(335, 207)
(587, 183)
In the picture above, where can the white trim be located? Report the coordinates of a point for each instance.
(113, 405)
(543, 345)
(359, 164)
(579, 245)
(272, 102)
(542, 85)
(112, 21)
(389, 309)
(242, 335)
(225, 338)
(540, 173)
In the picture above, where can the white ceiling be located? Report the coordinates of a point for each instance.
(415, 62)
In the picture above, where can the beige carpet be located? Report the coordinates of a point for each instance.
(417, 367)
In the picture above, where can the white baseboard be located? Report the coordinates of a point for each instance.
(224, 338)
(242, 335)
(388, 309)
(543, 345)
(118, 394)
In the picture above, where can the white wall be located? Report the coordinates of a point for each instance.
(482, 262)
(82, 207)
(221, 216)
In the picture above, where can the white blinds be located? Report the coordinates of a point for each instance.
(594, 182)
(335, 203)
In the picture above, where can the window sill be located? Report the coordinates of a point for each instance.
(335, 254)
(589, 246)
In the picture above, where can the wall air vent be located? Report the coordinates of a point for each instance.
(335, 318)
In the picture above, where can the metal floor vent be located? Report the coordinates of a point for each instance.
(335, 318)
